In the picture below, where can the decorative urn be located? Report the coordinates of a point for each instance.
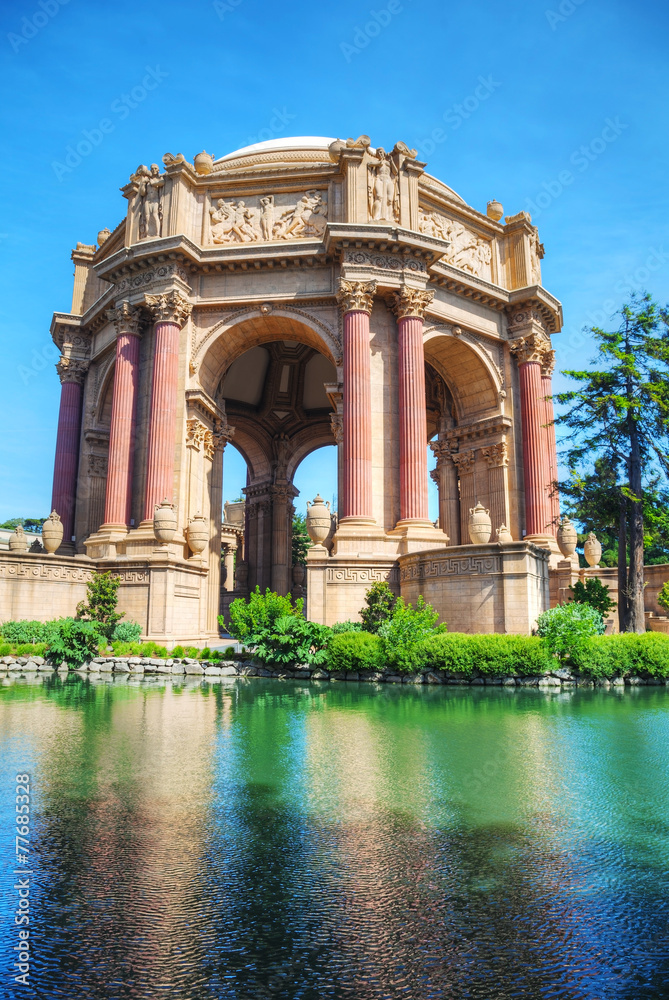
(299, 573)
(495, 210)
(503, 534)
(567, 537)
(164, 521)
(480, 525)
(592, 550)
(203, 163)
(52, 533)
(197, 534)
(18, 541)
(319, 519)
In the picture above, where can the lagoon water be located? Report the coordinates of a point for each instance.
(266, 838)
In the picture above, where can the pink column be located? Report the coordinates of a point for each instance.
(410, 306)
(535, 457)
(63, 498)
(170, 312)
(356, 299)
(550, 443)
(124, 408)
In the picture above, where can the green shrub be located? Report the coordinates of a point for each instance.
(339, 628)
(25, 631)
(292, 640)
(379, 604)
(355, 650)
(563, 628)
(621, 655)
(30, 649)
(126, 632)
(491, 655)
(179, 652)
(150, 650)
(407, 627)
(22, 649)
(228, 653)
(205, 654)
(595, 593)
(74, 641)
(259, 614)
(101, 606)
(662, 597)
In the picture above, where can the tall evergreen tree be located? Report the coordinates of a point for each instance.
(619, 423)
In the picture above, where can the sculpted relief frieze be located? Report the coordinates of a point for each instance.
(467, 251)
(165, 272)
(266, 217)
(388, 262)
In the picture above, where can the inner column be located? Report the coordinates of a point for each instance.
(356, 299)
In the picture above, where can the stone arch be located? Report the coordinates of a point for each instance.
(104, 378)
(234, 335)
(472, 377)
(305, 442)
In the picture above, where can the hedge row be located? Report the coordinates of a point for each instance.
(464, 655)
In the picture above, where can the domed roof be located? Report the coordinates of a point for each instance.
(279, 145)
(293, 145)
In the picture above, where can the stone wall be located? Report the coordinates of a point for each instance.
(480, 588)
(39, 587)
(564, 577)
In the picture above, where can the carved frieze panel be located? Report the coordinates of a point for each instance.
(387, 262)
(366, 574)
(467, 251)
(451, 566)
(165, 272)
(269, 217)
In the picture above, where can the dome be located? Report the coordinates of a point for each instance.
(280, 145)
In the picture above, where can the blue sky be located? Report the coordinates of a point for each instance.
(502, 100)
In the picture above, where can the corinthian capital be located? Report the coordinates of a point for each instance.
(170, 307)
(442, 450)
(72, 370)
(356, 296)
(126, 318)
(548, 364)
(410, 302)
(534, 348)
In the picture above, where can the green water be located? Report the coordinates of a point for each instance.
(305, 841)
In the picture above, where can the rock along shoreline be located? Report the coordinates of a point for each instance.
(12, 667)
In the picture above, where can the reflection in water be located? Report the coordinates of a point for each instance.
(269, 839)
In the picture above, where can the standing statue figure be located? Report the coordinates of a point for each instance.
(267, 216)
(151, 211)
(383, 194)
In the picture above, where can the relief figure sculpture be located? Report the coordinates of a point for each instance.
(383, 194)
(149, 190)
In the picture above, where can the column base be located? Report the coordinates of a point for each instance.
(414, 535)
(546, 541)
(105, 542)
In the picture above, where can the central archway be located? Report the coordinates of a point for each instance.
(276, 380)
